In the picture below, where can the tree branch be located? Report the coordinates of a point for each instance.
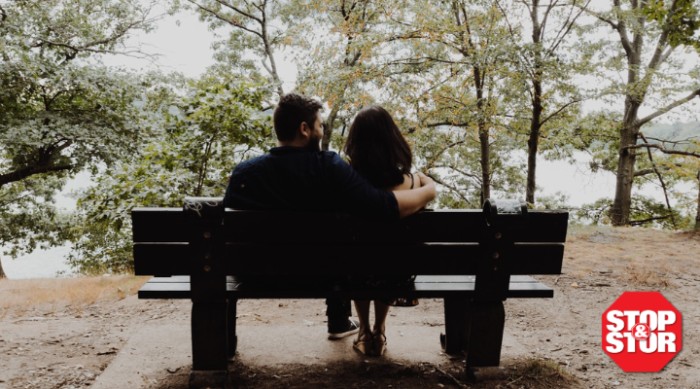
(663, 149)
(235, 9)
(661, 180)
(225, 20)
(453, 189)
(603, 18)
(644, 221)
(669, 107)
(27, 171)
(566, 27)
(558, 111)
(644, 172)
(446, 123)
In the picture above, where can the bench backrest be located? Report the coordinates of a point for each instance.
(204, 239)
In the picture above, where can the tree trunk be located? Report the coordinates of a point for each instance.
(3, 275)
(482, 124)
(535, 121)
(620, 212)
(485, 163)
(328, 126)
(697, 212)
(533, 142)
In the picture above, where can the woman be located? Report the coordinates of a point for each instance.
(378, 151)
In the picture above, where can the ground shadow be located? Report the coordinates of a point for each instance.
(519, 374)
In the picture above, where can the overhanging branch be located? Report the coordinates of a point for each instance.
(27, 171)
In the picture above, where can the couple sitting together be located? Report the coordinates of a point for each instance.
(298, 176)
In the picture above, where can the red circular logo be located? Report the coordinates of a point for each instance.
(642, 331)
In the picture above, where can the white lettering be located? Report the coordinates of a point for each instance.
(667, 339)
(631, 318)
(631, 342)
(648, 345)
(617, 324)
(666, 318)
(615, 345)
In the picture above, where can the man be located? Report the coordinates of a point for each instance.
(298, 176)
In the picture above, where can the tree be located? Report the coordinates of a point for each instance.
(467, 57)
(60, 110)
(650, 32)
(253, 31)
(205, 128)
(697, 210)
(546, 64)
(335, 41)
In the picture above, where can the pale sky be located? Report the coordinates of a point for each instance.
(185, 48)
(183, 43)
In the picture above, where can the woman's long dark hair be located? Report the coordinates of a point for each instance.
(377, 149)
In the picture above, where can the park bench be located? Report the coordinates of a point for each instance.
(473, 259)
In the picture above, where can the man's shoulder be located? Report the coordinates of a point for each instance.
(332, 155)
(252, 162)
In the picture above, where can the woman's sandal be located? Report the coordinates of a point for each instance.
(364, 344)
(379, 342)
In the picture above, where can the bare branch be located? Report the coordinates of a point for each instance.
(669, 107)
(621, 28)
(644, 172)
(561, 109)
(686, 141)
(225, 20)
(649, 220)
(235, 9)
(446, 123)
(443, 150)
(453, 189)
(663, 149)
(661, 180)
(567, 27)
(602, 18)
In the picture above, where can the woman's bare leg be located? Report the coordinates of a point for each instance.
(364, 342)
(362, 308)
(381, 311)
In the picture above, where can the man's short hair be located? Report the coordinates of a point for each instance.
(291, 111)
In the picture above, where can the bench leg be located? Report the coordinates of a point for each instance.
(209, 335)
(453, 341)
(231, 320)
(485, 325)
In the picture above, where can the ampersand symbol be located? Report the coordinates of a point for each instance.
(641, 331)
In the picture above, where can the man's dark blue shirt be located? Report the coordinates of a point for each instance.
(299, 179)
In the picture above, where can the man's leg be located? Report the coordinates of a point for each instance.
(339, 323)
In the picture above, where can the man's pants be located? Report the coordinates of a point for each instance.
(338, 312)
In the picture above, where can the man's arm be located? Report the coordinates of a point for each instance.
(412, 201)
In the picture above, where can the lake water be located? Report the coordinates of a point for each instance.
(575, 180)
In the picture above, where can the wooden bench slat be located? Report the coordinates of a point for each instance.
(419, 278)
(169, 225)
(173, 259)
(424, 287)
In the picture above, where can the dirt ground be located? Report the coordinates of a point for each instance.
(65, 333)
